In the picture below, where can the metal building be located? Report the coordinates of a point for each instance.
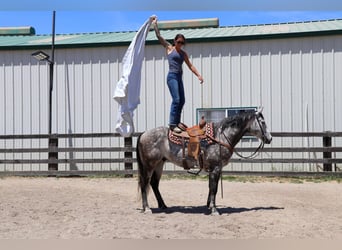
(293, 70)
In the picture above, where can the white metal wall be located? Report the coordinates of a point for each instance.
(297, 80)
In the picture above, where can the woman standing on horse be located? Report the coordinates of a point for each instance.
(176, 56)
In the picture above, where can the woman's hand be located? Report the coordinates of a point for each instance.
(154, 20)
(200, 78)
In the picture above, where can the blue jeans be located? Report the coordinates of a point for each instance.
(176, 88)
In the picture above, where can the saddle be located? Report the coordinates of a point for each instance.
(192, 136)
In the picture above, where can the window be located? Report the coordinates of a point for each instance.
(217, 114)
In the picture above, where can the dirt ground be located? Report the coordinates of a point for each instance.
(110, 208)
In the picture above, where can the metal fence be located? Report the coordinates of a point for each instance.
(109, 153)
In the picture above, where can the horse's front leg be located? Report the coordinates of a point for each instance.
(214, 176)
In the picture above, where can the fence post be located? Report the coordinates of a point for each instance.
(53, 143)
(128, 143)
(327, 155)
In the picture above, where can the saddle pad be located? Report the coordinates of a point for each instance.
(178, 139)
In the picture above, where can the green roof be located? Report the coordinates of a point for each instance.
(199, 34)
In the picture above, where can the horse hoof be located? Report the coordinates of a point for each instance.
(147, 211)
(214, 212)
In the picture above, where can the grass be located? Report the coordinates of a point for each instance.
(259, 179)
(226, 177)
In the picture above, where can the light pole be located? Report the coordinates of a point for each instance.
(42, 56)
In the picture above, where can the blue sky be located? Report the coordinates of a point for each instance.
(76, 16)
(68, 22)
(170, 5)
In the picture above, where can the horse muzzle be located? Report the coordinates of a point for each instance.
(267, 139)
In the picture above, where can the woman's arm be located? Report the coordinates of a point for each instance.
(163, 42)
(192, 67)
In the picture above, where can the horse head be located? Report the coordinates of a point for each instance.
(259, 127)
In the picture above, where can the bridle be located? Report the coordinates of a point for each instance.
(232, 150)
(263, 135)
(262, 141)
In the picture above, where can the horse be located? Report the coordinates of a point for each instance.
(154, 148)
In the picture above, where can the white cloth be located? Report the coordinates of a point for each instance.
(127, 91)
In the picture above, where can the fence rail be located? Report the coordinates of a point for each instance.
(127, 156)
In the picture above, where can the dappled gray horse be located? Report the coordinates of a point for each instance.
(154, 148)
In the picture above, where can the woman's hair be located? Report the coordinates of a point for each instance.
(178, 36)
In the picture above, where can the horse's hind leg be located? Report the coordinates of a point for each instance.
(144, 187)
(144, 179)
(155, 179)
(145, 206)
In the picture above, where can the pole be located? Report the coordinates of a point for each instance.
(327, 155)
(53, 37)
(50, 95)
(51, 66)
(53, 141)
(128, 143)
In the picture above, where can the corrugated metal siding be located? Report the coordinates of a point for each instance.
(297, 80)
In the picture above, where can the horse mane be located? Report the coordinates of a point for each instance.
(237, 120)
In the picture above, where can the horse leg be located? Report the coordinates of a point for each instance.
(144, 179)
(144, 187)
(214, 177)
(146, 208)
(155, 179)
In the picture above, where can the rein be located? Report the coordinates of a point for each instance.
(254, 154)
(233, 150)
(226, 145)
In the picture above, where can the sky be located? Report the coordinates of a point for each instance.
(88, 16)
(70, 22)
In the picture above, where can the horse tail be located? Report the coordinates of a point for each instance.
(142, 173)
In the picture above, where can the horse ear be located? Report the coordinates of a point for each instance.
(260, 109)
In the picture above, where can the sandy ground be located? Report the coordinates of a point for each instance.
(110, 208)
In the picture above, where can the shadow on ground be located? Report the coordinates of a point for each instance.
(205, 210)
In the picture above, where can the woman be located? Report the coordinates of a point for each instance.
(176, 56)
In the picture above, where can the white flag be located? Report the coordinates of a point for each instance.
(127, 91)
